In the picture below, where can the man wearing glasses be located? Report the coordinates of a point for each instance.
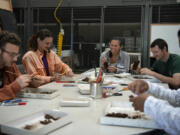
(11, 80)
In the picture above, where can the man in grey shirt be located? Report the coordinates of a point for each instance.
(115, 60)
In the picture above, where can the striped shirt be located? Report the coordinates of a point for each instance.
(33, 64)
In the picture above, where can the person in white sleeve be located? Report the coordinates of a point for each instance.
(162, 104)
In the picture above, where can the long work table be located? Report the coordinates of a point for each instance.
(85, 120)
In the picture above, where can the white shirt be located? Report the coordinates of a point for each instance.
(166, 110)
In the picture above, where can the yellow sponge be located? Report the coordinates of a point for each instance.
(59, 44)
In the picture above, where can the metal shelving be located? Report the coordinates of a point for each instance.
(32, 15)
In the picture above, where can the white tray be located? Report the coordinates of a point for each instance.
(40, 93)
(84, 89)
(126, 107)
(72, 102)
(122, 75)
(16, 127)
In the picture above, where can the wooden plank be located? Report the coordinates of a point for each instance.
(6, 5)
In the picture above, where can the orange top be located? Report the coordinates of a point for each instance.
(33, 64)
(10, 85)
(125, 88)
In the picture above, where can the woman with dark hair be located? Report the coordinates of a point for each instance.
(115, 60)
(41, 61)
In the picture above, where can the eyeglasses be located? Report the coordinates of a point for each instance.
(12, 54)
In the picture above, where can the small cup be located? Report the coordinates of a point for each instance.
(95, 90)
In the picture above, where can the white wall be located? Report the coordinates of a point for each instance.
(168, 32)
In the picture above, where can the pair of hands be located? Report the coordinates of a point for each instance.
(26, 80)
(58, 77)
(147, 71)
(138, 87)
(111, 69)
(144, 71)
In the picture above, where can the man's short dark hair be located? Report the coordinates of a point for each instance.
(121, 40)
(179, 33)
(160, 43)
(7, 37)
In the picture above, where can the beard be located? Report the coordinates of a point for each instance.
(5, 62)
(161, 58)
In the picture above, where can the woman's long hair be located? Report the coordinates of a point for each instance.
(42, 34)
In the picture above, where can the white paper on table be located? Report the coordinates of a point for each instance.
(74, 102)
(90, 72)
(116, 80)
(84, 88)
(123, 75)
